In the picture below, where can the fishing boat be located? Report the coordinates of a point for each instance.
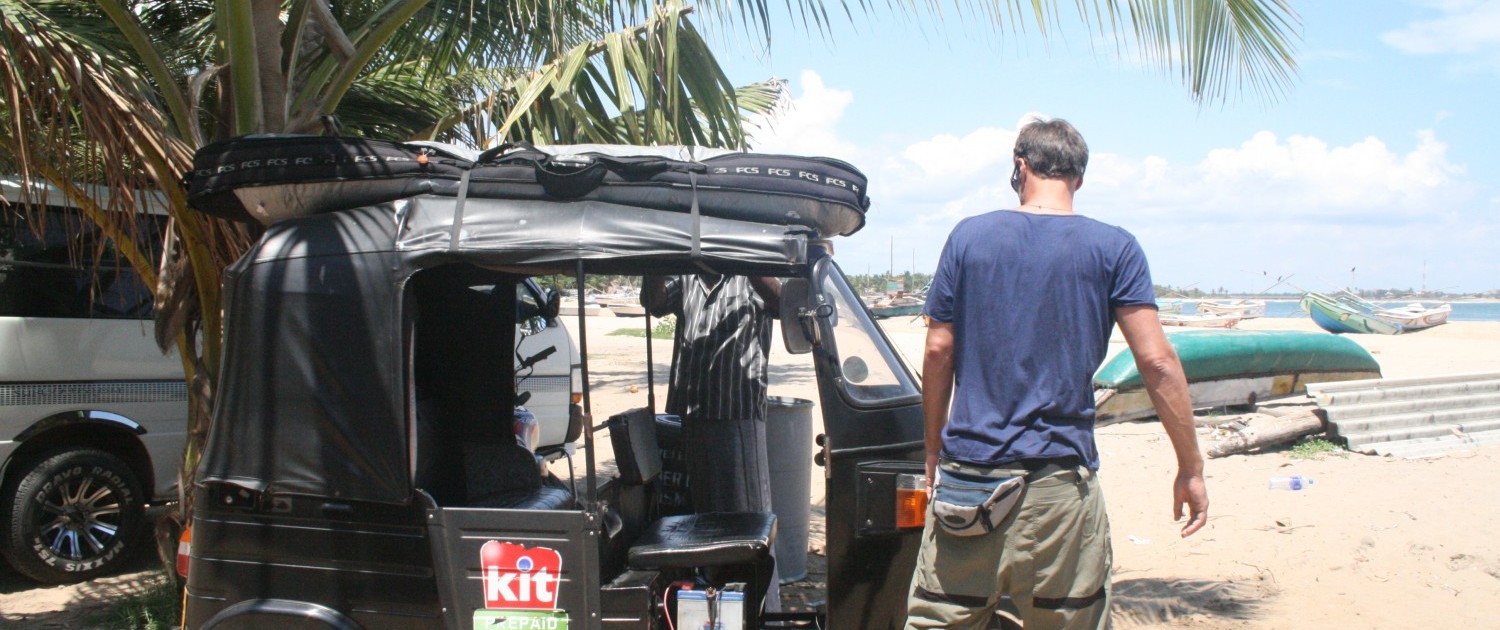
(1199, 321)
(1170, 305)
(1344, 316)
(1245, 309)
(1410, 317)
(897, 306)
(622, 304)
(1234, 367)
(1416, 316)
(1345, 312)
(569, 306)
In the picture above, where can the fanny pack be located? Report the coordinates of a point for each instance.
(970, 505)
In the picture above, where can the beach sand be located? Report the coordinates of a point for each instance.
(1373, 543)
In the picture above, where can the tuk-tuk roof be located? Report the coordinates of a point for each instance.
(313, 386)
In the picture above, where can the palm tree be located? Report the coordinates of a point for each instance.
(120, 93)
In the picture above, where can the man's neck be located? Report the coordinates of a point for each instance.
(1043, 205)
(1047, 196)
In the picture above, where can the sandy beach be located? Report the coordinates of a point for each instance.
(1374, 543)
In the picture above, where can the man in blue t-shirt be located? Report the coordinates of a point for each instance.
(1021, 312)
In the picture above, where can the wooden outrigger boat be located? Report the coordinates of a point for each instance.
(1411, 317)
(1199, 321)
(1245, 309)
(1346, 312)
(903, 306)
(1234, 367)
(1416, 316)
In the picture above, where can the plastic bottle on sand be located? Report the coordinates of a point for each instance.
(1294, 482)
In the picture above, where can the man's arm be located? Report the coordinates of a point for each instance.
(937, 391)
(1167, 386)
(769, 289)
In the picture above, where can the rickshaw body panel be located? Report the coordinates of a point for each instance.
(307, 499)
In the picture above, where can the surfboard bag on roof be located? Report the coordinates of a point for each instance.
(273, 178)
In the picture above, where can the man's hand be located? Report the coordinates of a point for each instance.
(1167, 386)
(769, 289)
(1189, 489)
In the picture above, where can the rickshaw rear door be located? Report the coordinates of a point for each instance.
(872, 446)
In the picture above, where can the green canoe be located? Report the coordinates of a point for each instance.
(1235, 367)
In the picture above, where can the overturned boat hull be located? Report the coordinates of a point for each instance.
(1234, 367)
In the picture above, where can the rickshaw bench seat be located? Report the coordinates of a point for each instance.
(705, 540)
(723, 543)
(543, 498)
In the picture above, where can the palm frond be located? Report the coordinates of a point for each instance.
(656, 83)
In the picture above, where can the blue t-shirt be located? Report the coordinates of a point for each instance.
(1031, 298)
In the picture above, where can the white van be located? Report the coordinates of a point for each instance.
(93, 416)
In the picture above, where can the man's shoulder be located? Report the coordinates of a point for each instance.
(1105, 228)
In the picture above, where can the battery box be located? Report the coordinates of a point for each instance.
(725, 608)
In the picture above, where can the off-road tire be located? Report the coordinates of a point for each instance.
(70, 515)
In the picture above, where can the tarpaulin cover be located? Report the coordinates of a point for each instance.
(313, 385)
(273, 178)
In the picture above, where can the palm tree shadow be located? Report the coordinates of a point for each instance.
(1152, 602)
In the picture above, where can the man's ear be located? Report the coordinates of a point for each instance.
(1078, 183)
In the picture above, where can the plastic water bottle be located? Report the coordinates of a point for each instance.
(1294, 482)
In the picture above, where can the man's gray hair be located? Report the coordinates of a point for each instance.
(1053, 148)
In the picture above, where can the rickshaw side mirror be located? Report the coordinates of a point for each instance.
(553, 305)
(799, 332)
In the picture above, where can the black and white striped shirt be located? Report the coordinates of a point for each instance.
(722, 341)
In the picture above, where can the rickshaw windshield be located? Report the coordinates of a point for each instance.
(872, 374)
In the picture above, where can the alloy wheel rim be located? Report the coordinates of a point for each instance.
(80, 518)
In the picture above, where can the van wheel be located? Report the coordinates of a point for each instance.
(71, 516)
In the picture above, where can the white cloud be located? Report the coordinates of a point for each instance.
(1466, 28)
(808, 124)
(1236, 217)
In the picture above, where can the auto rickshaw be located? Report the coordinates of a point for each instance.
(363, 470)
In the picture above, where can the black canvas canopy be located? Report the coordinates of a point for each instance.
(314, 382)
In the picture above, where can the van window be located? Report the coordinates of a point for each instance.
(63, 266)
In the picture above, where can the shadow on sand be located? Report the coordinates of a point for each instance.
(1153, 602)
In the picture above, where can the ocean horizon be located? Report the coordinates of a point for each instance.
(1463, 311)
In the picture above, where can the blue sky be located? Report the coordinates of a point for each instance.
(1381, 156)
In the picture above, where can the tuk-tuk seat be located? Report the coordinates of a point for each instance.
(705, 540)
(506, 475)
(543, 498)
(729, 546)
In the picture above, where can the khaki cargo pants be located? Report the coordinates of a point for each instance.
(1051, 556)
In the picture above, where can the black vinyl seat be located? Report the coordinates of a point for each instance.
(724, 546)
(546, 497)
(708, 539)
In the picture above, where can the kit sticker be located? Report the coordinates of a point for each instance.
(520, 588)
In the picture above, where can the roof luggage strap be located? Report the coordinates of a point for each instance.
(458, 211)
(697, 251)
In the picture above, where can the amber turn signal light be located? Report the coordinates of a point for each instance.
(911, 501)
